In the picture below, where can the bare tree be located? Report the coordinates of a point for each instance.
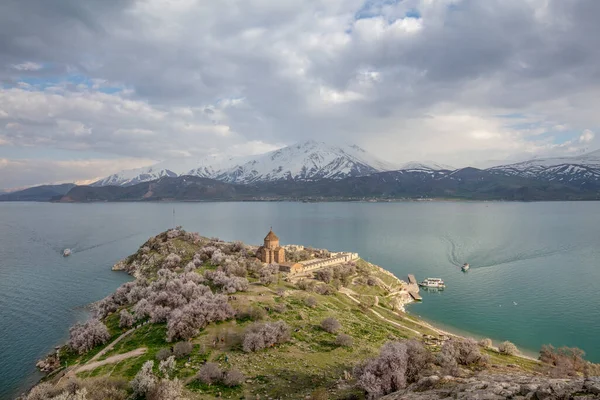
(485, 343)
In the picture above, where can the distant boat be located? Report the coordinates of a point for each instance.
(435, 283)
(66, 252)
(465, 267)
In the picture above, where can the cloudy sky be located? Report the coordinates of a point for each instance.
(90, 87)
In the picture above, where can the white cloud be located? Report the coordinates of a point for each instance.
(28, 66)
(587, 136)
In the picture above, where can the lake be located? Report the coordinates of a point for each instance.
(534, 277)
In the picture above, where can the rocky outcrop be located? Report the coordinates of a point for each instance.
(50, 363)
(499, 387)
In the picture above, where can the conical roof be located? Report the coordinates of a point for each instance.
(271, 236)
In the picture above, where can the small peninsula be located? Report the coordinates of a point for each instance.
(204, 318)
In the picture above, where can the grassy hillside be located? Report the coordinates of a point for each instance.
(312, 362)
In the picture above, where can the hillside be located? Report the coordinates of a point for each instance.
(204, 319)
(38, 193)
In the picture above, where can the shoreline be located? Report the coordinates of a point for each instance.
(457, 332)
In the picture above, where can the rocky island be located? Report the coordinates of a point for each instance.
(205, 318)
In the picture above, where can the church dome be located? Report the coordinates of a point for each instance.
(271, 236)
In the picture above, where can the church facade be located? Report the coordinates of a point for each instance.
(271, 251)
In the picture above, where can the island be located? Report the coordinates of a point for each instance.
(204, 318)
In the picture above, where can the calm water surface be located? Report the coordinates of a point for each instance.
(534, 278)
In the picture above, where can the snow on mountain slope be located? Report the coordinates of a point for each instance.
(309, 160)
(425, 166)
(582, 169)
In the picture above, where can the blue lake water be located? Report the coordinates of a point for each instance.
(545, 257)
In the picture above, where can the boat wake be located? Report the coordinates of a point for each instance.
(478, 256)
(76, 249)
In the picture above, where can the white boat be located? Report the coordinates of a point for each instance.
(66, 252)
(436, 283)
(465, 267)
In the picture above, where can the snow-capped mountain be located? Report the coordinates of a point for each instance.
(582, 169)
(309, 160)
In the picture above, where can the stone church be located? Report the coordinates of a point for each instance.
(271, 251)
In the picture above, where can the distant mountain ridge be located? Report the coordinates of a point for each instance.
(38, 193)
(582, 170)
(465, 184)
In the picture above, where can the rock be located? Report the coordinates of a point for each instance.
(489, 386)
(592, 385)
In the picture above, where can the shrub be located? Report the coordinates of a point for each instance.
(182, 349)
(84, 337)
(126, 319)
(233, 377)
(268, 274)
(280, 308)
(508, 348)
(209, 373)
(371, 281)
(163, 354)
(564, 361)
(485, 343)
(144, 381)
(324, 275)
(398, 364)
(167, 390)
(172, 261)
(260, 336)
(310, 301)
(324, 289)
(319, 394)
(330, 325)
(304, 284)
(344, 340)
(457, 352)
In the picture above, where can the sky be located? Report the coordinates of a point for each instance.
(91, 87)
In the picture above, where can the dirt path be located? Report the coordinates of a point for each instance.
(349, 293)
(111, 346)
(110, 360)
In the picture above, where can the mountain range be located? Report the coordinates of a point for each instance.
(318, 171)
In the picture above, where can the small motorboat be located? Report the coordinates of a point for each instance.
(465, 267)
(66, 252)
